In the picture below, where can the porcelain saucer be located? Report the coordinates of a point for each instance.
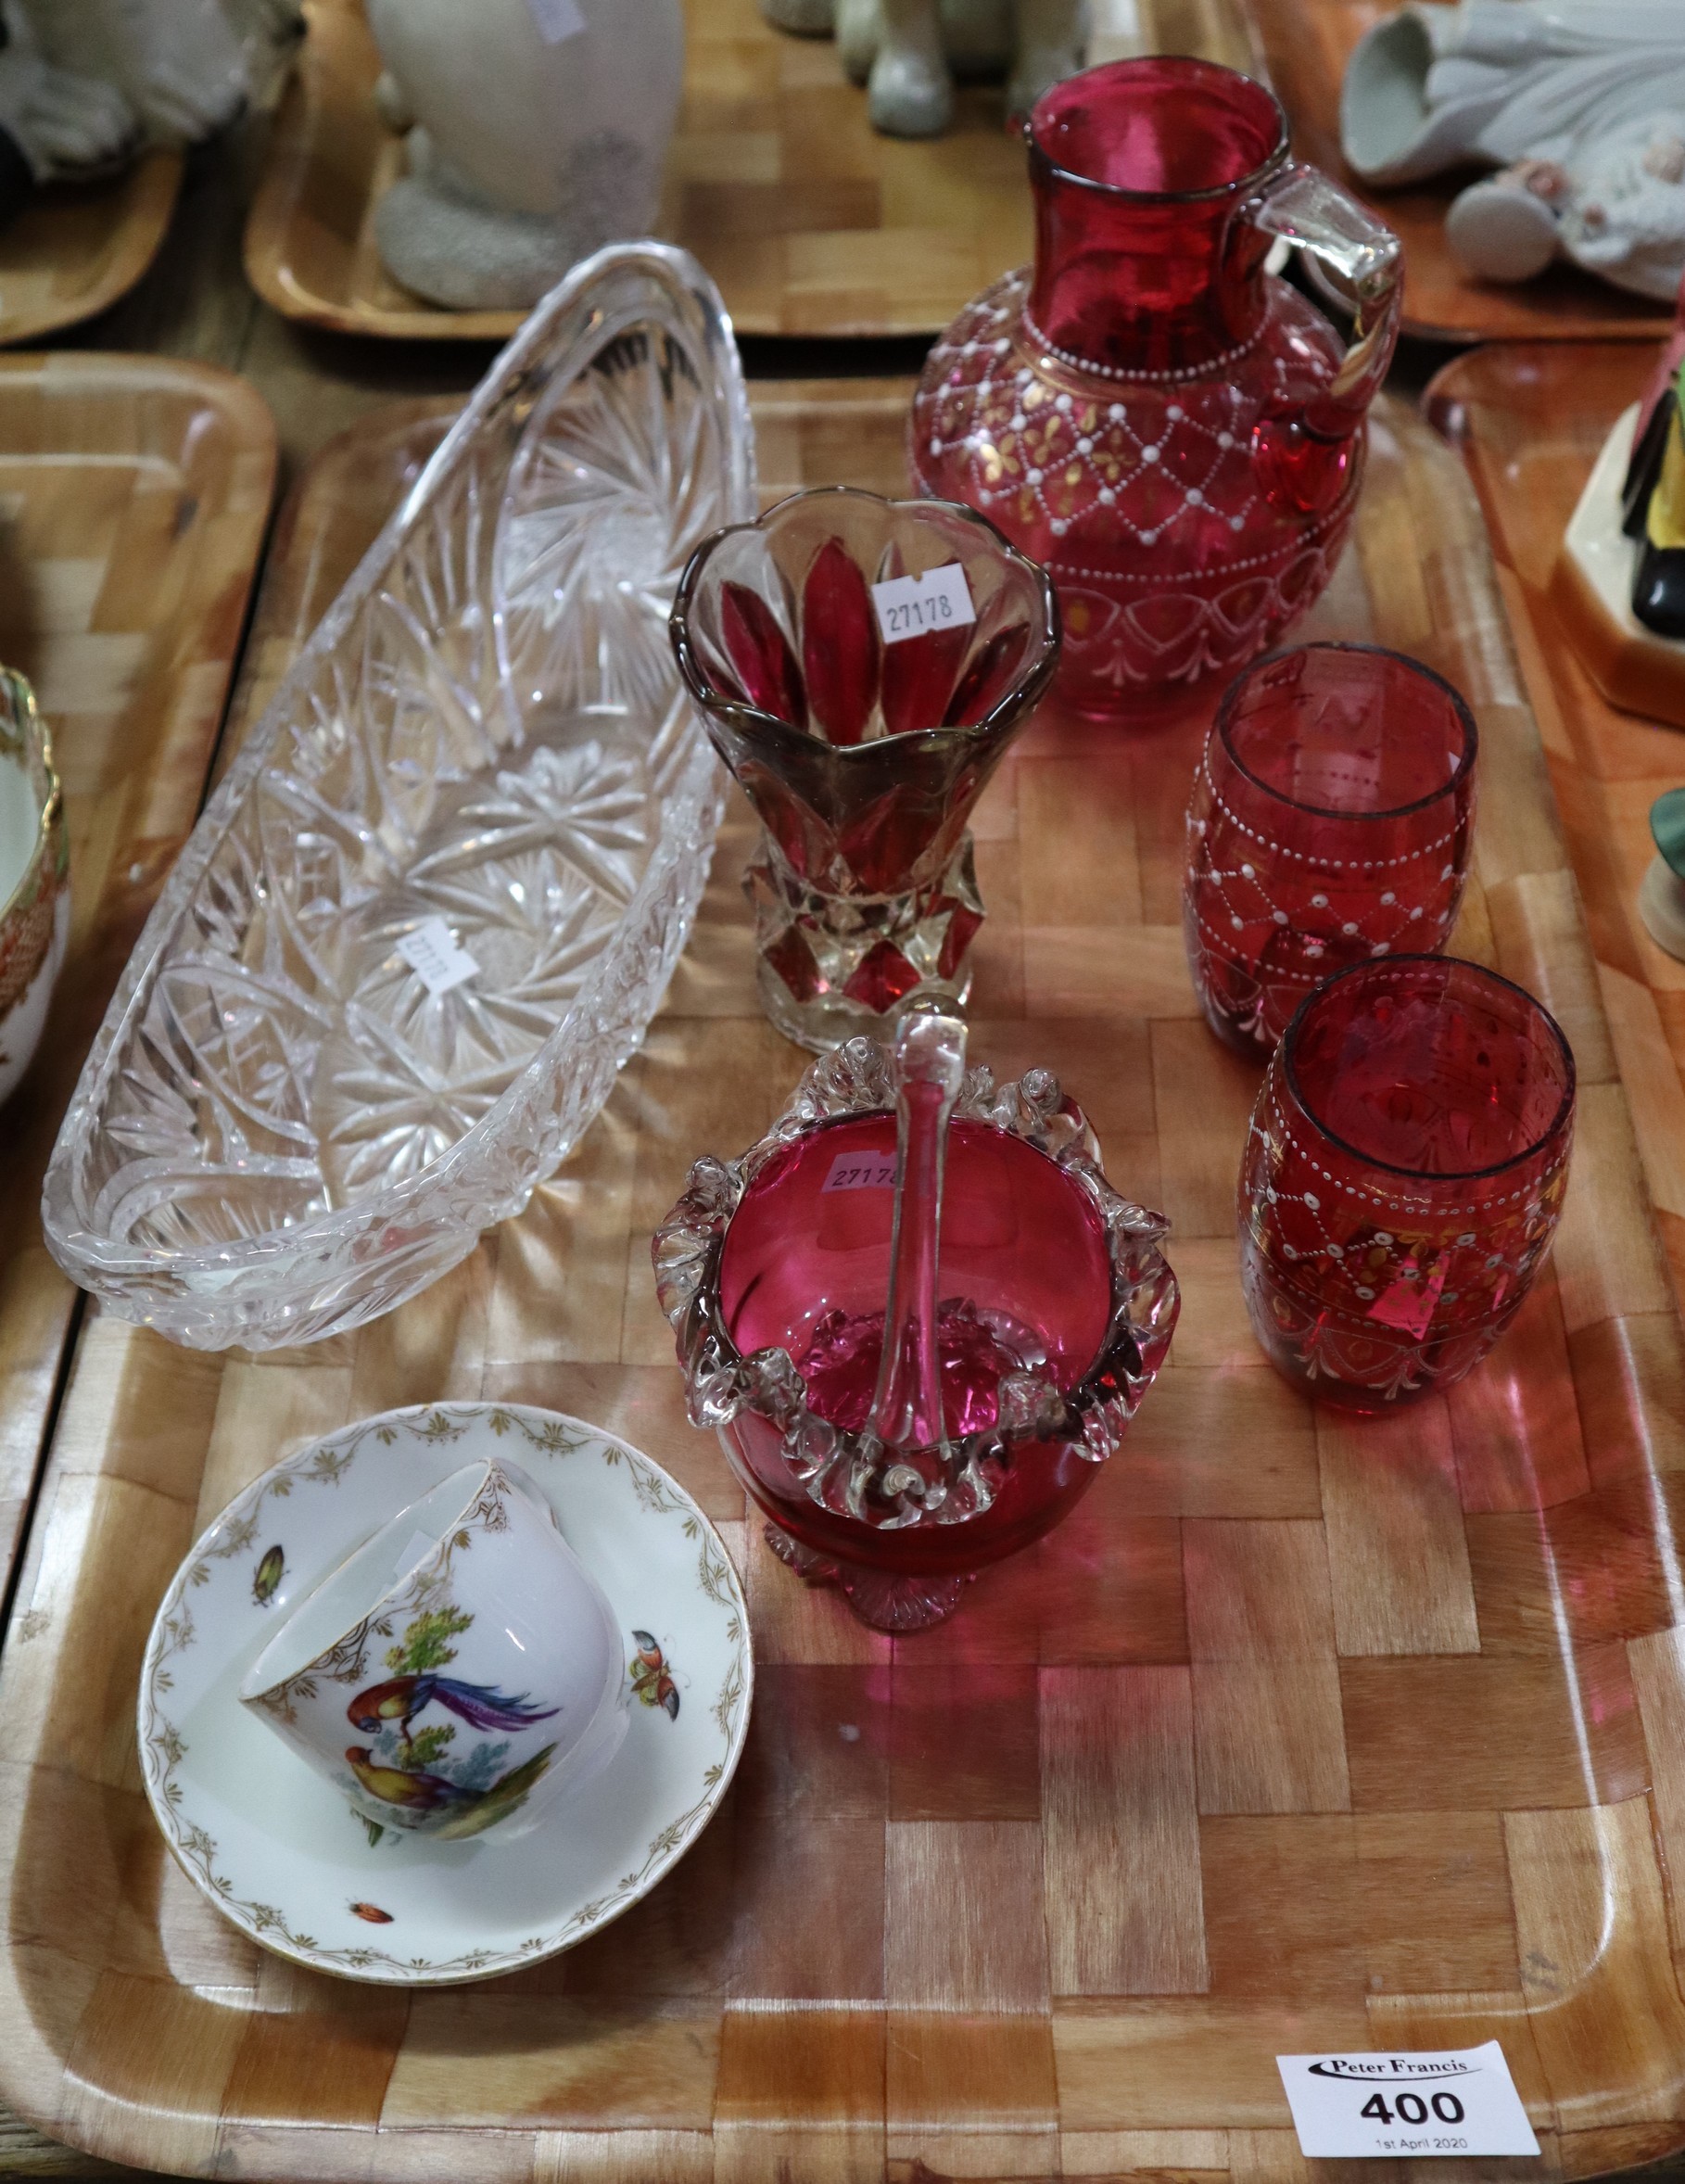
(267, 1839)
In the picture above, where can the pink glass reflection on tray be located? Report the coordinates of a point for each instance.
(1050, 1304)
(1330, 824)
(1403, 1176)
(1174, 431)
(863, 724)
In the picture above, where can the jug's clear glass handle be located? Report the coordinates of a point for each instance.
(1367, 262)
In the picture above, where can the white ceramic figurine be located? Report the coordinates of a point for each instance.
(908, 52)
(85, 84)
(536, 132)
(1580, 105)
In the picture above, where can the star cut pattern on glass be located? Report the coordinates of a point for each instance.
(282, 1130)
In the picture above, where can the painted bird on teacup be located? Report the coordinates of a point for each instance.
(403, 1766)
(907, 53)
(464, 1810)
(480, 1704)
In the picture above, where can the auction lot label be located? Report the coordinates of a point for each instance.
(1462, 2100)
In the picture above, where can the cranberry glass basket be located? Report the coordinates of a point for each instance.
(1056, 1309)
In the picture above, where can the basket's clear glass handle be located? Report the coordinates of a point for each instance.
(930, 1068)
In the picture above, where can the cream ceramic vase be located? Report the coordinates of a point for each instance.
(538, 130)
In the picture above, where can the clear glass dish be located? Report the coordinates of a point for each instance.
(283, 1129)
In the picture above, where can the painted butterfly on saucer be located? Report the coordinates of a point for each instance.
(278, 1853)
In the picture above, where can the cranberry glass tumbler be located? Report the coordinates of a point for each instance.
(1403, 1176)
(1330, 824)
(861, 665)
(1174, 431)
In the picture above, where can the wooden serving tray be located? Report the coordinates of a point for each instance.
(809, 221)
(1530, 422)
(1307, 42)
(134, 493)
(1299, 1732)
(77, 248)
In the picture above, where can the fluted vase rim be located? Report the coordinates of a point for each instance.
(1027, 689)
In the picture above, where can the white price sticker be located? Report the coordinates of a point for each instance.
(432, 953)
(1384, 2106)
(861, 1171)
(910, 606)
(556, 20)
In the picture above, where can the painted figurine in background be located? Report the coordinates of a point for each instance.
(87, 84)
(1618, 588)
(907, 53)
(1653, 498)
(1580, 105)
(536, 132)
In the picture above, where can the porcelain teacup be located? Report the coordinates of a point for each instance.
(34, 878)
(459, 1672)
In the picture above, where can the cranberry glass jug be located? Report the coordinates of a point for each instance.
(1177, 434)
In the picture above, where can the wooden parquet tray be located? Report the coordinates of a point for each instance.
(809, 221)
(75, 250)
(1306, 43)
(1299, 1732)
(134, 495)
(1530, 421)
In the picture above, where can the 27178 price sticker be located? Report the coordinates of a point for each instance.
(1384, 2106)
(911, 606)
(861, 1171)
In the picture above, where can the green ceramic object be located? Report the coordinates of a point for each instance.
(1668, 828)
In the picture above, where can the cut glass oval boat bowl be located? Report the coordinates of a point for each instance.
(34, 878)
(1056, 1310)
(280, 1852)
(432, 908)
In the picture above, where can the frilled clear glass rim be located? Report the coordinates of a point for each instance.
(1027, 688)
(1289, 1050)
(673, 283)
(1459, 705)
(1086, 1397)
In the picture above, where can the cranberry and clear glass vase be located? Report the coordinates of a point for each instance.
(1054, 1308)
(1176, 432)
(1331, 822)
(1403, 1177)
(862, 723)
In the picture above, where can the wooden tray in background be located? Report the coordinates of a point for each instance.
(1530, 421)
(809, 221)
(1299, 1732)
(134, 494)
(1306, 43)
(75, 250)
